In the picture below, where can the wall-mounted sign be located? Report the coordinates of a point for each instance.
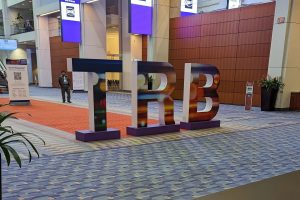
(234, 4)
(140, 17)
(70, 21)
(8, 45)
(280, 20)
(18, 84)
(189, 7)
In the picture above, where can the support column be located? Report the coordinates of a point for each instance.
(93, 32)
(131, 48)
(158, 42)
(43, 53)
(284, 57)
(175, 8)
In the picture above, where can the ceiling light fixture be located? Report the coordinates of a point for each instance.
(92, 1)
(49, 13)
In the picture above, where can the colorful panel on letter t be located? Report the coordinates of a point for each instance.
(140, 17)
(70, 21)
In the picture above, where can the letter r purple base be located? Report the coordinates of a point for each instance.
(89, 136)
(153, 130)
(200, 125)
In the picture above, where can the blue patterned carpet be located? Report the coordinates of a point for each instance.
(266, 145)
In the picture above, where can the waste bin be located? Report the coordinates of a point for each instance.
(295, 101)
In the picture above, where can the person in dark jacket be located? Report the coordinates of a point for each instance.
(65, 86)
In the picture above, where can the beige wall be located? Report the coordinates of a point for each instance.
(158, 43)
(112, 44)
(284, 57)
(291, 71)
(174, 8)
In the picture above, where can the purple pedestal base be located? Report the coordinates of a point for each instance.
(200, 125)
(153, 130)
(89, 136)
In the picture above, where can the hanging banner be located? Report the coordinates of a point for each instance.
(18, 84)
(70, 21)
(234, 4)
(189, 7)
(140, 17)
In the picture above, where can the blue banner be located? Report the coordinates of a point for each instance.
(140, 17)
(189, 7)
(70, 21)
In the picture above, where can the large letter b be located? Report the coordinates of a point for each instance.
(193, 93)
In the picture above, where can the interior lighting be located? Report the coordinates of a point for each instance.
(92, 1)
(49, 13)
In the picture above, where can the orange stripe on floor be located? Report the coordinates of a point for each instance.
(64, 117)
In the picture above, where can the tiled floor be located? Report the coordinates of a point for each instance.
(250, 146)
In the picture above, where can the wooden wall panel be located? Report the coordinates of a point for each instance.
(237, 41)
(59, 53)
(144, 47)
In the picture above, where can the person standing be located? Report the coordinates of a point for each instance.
(65, 86)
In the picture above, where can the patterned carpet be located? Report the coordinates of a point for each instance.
(249, 146)
(64, 117)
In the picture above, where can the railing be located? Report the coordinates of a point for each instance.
(22, 27)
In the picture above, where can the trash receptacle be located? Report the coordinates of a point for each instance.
(295, 101)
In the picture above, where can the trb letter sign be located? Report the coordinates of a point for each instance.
(193, 93)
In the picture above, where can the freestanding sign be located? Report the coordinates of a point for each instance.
(249, 95)
(141, 97)
(96, 69)
(189, 7)
(78, 81)
(233, 4)
(193, 93)
(70, 21)
(18, 84)
(140, 17)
